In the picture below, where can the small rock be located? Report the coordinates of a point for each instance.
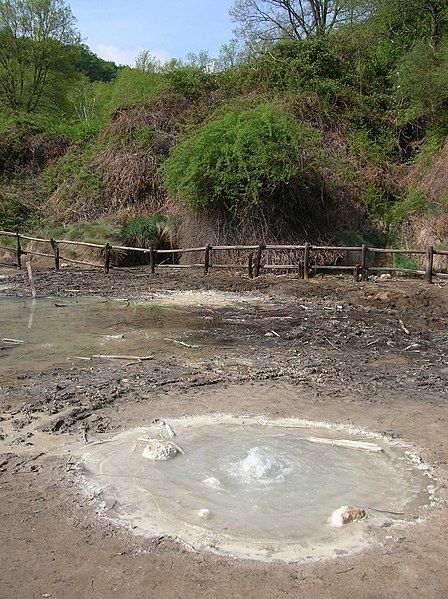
(204, 513)
(383, 296)
(212, 482)
(346, 514)
(159, 449)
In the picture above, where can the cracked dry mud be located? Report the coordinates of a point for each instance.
(373, 355)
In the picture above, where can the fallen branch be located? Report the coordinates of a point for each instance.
(403, 327)
(386, 512)
(348, 443)
(345, 571)
(332, 344)
(412, 346)
(137, 358)
(178, 447)
(182, 343)
(30, 277)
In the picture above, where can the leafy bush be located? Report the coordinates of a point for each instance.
(134, 86)
(14, 215)
(238, 160)
(404, 261)
(157, 230)
(190, 81)
(422, 81)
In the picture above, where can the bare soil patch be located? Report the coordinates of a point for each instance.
(370, 354)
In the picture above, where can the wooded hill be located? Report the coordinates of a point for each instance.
(327, 135)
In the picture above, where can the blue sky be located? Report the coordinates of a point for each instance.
(119, 30)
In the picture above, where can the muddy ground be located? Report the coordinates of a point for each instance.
(371, 354)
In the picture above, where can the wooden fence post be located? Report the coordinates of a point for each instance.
(55, 247)
(306, 261)
(19, 252)
(364, 269)
(107, 258)
(429, 263)
(151, 259)
(258, 260)
(206, 259)
(250, 266)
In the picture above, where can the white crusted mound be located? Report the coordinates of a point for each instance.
(212, 482)
(346, 514)
(159, 449)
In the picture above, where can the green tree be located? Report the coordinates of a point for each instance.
(409, 21)
(92, 66)
(270, 20)
(147, 63)
(422, 82)
(34, 54)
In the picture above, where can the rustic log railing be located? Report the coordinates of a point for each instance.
(253, 260)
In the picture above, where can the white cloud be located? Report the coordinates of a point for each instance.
(126, 57)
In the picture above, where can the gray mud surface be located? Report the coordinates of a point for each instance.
(372, 355)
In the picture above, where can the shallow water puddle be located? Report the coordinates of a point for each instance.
(38, 334)
(256, 489)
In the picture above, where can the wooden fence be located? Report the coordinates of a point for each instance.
(253, 258)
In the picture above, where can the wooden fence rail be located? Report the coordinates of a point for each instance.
(254, 261)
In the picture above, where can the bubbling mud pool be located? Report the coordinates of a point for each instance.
(254, 488)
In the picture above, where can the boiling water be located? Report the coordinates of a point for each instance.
(252, 490)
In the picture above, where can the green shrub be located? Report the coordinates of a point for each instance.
(134, 86)
(240, 159)
(190, 81)
(157, 230)
(404, 261)
(16, 216)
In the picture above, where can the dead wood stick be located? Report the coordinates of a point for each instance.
(332, 344)
(178, 447)
(7, 340)
(138, 358)
(345, 571)
(31, 278)
(181, 343)
(412, 346)
(386, 512)
(403, 327)
(91, 444)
